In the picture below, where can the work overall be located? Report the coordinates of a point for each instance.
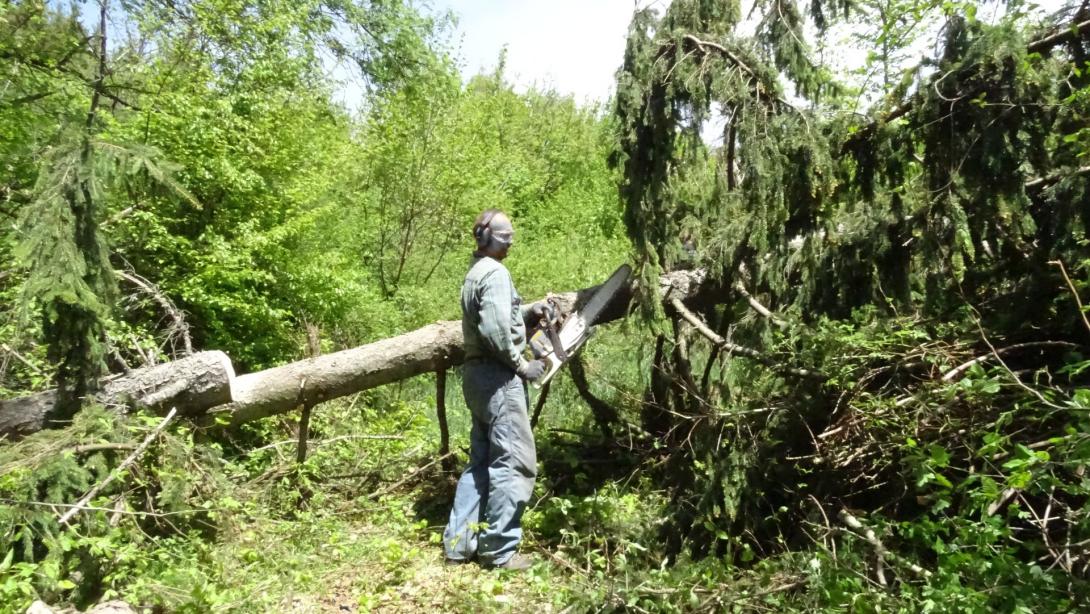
(495, 487)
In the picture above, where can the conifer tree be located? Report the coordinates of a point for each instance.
(962, 190)
(70, 280)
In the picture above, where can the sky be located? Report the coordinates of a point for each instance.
(572, 46)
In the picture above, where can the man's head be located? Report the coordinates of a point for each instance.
(494, 233)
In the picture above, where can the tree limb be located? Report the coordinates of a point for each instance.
(1044, 182)
(181, 327)
(962, 368)
(604, 413)
(733, 348)
(1074, 292)
(758, 307)
(868, 535)
(79, 506)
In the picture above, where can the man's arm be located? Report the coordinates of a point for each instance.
(495, 324)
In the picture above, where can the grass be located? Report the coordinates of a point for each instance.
(374, 557)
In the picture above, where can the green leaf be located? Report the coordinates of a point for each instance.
(939, 456)
(1081, 398)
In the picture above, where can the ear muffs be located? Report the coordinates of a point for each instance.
(483, 231)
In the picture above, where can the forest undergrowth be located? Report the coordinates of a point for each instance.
(932, 475)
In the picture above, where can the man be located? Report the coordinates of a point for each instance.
(493, 490)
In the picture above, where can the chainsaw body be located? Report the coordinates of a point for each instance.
(554, 341)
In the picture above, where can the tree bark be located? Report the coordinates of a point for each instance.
(192, 384)
(316, 380)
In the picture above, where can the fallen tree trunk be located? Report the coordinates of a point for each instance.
(191, 384)
(432, 348)
(280, 389)
(206, 387)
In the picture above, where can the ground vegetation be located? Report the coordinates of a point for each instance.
(878, 400)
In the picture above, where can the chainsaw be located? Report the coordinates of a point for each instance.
(555, 341)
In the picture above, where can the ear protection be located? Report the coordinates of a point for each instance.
(483, 231)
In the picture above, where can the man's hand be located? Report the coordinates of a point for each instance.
(533, 371)
(541, 309)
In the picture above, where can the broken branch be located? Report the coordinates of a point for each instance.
(82, 503)
(734, 348)
(868, 535)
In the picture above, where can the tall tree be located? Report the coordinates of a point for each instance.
(70, 279)
(236, 96)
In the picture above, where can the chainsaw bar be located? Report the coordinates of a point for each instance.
(577, 327)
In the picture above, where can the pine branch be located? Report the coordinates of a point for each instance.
(1059, 36)
(761, 90)
(1044, 182)
(82, 503)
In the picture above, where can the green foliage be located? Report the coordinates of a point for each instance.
(69, 278)
(928, 210)
(235, 95)
(106, 547)
(933, 204)
(226, 174)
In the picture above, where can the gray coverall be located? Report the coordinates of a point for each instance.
(494, 489)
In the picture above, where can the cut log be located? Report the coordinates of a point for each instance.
(192, 384)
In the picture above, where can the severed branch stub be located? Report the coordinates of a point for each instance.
(868, 535)
(734, 348)
(540, 404)
(441, 415)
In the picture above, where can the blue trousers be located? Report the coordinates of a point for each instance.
(494, 489)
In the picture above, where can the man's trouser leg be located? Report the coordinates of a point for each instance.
(512, 467)
(460, 536)
(496, 486)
